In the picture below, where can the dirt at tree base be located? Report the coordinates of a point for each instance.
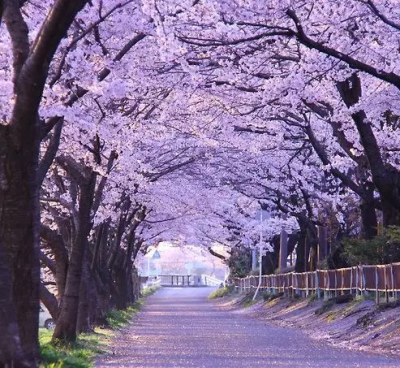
(357, 325)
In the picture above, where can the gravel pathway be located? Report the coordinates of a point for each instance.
(180, 328)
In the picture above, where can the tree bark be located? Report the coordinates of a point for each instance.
(19, 162)
(56, 243)
(368, 219)
(84, 320)
(19, 223)
(11, 353)
(67, 321)
(49, 301)
(385, 177)
(301, 252)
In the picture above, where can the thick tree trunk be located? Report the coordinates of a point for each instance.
(102, 290)
(67, 321)
(135, 284)
(10, 348)
(119, 285)
(385, 177)
(49, 301)
(19, 147)
(19, 230)
(369, 220)
(301, 252)
(57, 245)
(101, 277)
(83, 321)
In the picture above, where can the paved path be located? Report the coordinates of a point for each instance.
(179, 328)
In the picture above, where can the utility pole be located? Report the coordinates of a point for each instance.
(253, 259)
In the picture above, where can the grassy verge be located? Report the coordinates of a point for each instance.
(117, 319)
(219, 293)
(79, 355)
(82, 352)
(149, 290)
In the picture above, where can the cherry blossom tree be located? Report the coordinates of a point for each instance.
(20, 135)
(136, 122)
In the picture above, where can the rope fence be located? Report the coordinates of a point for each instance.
(383, 280)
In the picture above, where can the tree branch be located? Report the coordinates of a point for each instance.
(51, 150)
(301, 36)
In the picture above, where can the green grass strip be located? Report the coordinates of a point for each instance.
(81, 354)
(219, 293)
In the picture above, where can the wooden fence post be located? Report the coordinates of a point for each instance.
(393, 285)
(357, 277)
(328, 285)
(306, 284)
(376, 286)
(386, 285)
(363, 283)
(336, 285)
(351, 281)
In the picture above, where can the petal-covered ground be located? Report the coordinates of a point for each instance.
(180, 328)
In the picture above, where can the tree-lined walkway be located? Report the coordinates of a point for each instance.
(179, 328)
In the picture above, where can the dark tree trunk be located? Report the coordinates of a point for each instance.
(10, 349)
(301, 252)
(67, 321)
(385, 177)
(56, 243)
(369, 220)
(102, 277)
(271, 259)
(19, 146)
(102, 291)
(83, 322)
(49, 301)
(119, 283)
(135, 284)
(19, 225)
